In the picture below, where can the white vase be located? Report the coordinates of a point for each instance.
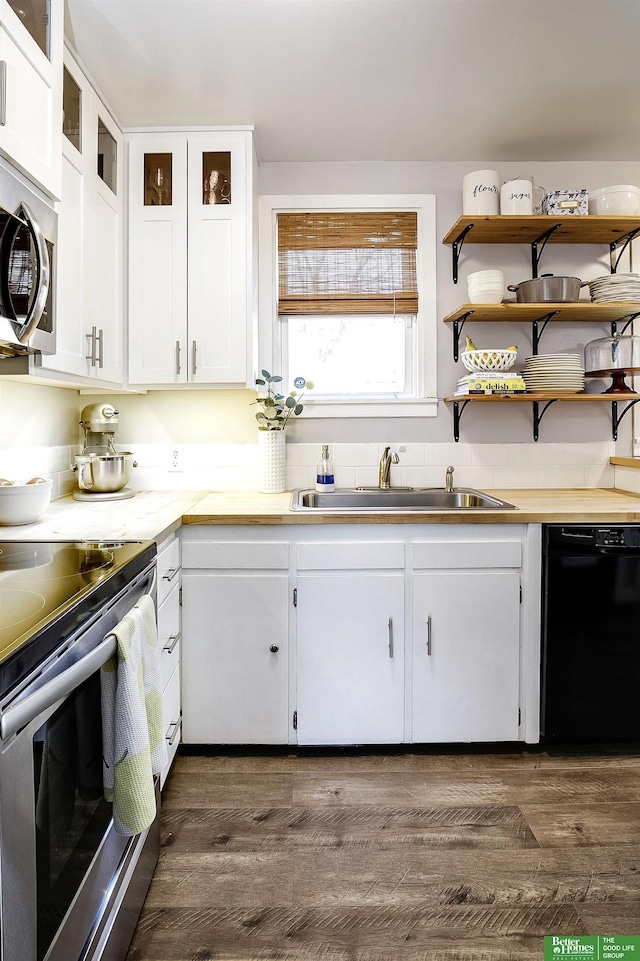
(271, 461)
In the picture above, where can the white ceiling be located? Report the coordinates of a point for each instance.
(348, 80)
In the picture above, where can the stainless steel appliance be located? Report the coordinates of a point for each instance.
(590, 640)
(28, 229)
(102, 470)
(70, 888)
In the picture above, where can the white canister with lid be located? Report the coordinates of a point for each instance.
(481, 192)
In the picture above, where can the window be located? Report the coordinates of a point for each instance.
(348, 301)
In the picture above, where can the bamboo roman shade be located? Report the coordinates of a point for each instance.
(347, 263)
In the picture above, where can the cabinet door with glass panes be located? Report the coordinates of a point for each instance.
(190, 256)
(31, 49)
(89, 295)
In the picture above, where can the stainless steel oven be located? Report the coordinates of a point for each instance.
(70, 888)
(28, 227)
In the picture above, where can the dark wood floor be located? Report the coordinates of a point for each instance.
(457, 856)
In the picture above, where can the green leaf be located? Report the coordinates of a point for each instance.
(275, 380)
(269, 402)
(290, 402)
(259, 380)
(298, 409)
(260, 416)
(266, 374)
(270, 413)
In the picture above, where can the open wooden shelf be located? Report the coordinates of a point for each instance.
(528, 229)
(547, 398)
(579, 312)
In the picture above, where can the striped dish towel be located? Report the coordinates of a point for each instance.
(134, 747)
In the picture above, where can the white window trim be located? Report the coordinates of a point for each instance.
(426, 403)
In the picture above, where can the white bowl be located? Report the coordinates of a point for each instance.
(483, 275)
(23, 503)
(490, 285)
(485, 296)
(620, 201)
(491, 359)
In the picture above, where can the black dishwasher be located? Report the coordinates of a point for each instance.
(590, 633)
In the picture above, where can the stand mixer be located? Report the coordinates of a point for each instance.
(102, 471)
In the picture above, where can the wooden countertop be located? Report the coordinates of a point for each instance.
(534, 507)
(153, 515)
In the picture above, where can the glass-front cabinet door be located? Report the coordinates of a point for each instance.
(157, 294)
(35, 15)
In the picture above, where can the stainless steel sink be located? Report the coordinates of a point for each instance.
(359, 499)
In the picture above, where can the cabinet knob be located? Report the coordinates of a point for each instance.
(274, 648)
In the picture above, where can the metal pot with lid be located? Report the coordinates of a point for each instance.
(548, 289)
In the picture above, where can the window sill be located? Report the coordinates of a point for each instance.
(425, 407)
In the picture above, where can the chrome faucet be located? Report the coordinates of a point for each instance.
(448, 481)
(388, 458)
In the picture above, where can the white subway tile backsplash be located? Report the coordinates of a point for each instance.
(627, 479)
(234, 466)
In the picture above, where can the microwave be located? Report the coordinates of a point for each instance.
(28, 233)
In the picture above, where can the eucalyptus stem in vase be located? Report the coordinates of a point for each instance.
(274, 409)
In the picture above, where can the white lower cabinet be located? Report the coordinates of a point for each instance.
(169, 640)
(334, 636)
(235, 670)
(350, 643)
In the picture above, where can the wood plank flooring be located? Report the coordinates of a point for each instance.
(451, 856)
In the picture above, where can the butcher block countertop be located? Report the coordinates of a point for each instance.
(153, 515)
(534, 507)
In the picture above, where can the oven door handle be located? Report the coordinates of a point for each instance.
(23, 712)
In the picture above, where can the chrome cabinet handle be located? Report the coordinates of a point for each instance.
(274, 648)
(173, 641)
(194, 357)
(169, 576)
(429, 636)
(171, 735)
(178, 367)
(100, 346)
(390, 637)
(92, 339)
(3, 92)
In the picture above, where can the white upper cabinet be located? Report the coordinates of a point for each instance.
(191, 262)
(31, 52)
(90, 250)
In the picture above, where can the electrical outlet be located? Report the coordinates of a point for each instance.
(176, 461)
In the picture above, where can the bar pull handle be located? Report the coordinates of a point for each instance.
(390, 637)
(100, 347)
(172, 732)
(92, 346)
(173, 641)
(3, 92)
(178, 367)
(194, 358)
(429, 636)
(169, 576)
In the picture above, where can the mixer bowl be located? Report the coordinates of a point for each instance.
(104, 473)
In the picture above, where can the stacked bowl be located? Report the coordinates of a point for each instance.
(485, 287)
(621, 200)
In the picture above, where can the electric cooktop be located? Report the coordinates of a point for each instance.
(48, 589)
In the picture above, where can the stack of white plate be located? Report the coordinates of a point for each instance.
(556, 372)
(614, 287)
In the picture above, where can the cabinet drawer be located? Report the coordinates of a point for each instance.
(168, 568)
(243, 555)
(465, 555)
(169, 633)
(172, 719)
(354, 556)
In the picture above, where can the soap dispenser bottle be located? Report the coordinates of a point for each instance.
(324, 472)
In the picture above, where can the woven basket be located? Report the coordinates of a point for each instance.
(488, 360)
